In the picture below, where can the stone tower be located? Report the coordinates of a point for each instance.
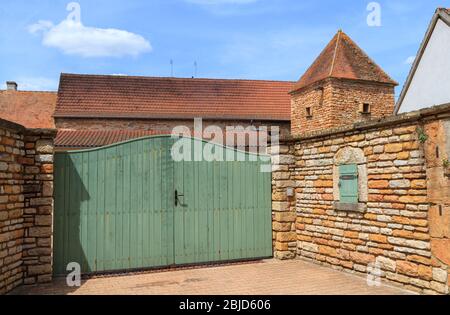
(343, 86)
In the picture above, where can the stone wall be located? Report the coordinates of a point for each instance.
(335, 103)
(399, 226)
(437, 153)
(26, 205)
(283, 204)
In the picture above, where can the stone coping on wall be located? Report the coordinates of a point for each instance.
(440, 111)
(6, 124)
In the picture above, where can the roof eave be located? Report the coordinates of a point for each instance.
(163, 117)
(301, 88)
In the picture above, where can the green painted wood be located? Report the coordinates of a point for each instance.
(221, 217)
(115, 208)
(348, 183)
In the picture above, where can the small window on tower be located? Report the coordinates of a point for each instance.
(321, 96)
(365, 109)
(308, 112)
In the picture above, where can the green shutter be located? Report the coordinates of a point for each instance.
(348, 183)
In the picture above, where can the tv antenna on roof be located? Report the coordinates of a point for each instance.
(171, 68)
(195, 69)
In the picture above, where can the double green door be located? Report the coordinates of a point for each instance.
(133, 206)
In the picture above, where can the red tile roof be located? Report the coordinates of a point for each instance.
(172, 98)
(30, 109)
(97, 138)
(343, 59)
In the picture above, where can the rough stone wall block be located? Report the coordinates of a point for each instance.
(26, 205)
(402, 234)
(283, 203)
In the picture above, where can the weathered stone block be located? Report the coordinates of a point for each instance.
(362, 258)
(407, 268)
(44, 158)
(39, 232)
(393, 148)
(44, 146)
(440, 275)
(43, 220)
(281, 227)
(387, 264)
(39, 270)
(286, 236)
(280, 206)
(41, 201)
(47, 189)
(285, 216)
(284, 255)
(402, 183)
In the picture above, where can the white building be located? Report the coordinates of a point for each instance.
(428, 83)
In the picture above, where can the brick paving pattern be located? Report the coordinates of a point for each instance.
(267, 277)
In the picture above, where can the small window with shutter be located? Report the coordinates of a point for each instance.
(348, 183)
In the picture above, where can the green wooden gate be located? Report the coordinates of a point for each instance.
(132, 206)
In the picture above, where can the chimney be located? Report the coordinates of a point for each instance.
(11, 86)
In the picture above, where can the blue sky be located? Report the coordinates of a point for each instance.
(243, 39)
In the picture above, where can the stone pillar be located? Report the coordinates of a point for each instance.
(38, 212)
(11, 206)
(437, 154)
(283, 202)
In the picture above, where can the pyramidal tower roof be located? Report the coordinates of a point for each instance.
(342, 58)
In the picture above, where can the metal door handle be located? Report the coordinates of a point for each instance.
(177, 198)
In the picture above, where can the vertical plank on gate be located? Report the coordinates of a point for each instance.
(139, 180)
(101, 210)
(84, 198)
(109, 200)
(119, 161)
(204, 182)
(217, 213)
(226, 226)
(145, 204)
(168, 197)
(60, 170)
(93, 211)
(161, 213)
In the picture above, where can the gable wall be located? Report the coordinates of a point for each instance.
(430, 85)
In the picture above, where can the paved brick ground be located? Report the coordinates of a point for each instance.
(268, 277)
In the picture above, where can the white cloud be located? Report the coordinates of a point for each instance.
(410, 60)
(73, 38)
(218, 2)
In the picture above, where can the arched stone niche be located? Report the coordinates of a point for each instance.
(346, 156)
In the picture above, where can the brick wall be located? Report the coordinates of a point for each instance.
(335, 103)
(165, 126)
(401, 222)
(26, 205)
